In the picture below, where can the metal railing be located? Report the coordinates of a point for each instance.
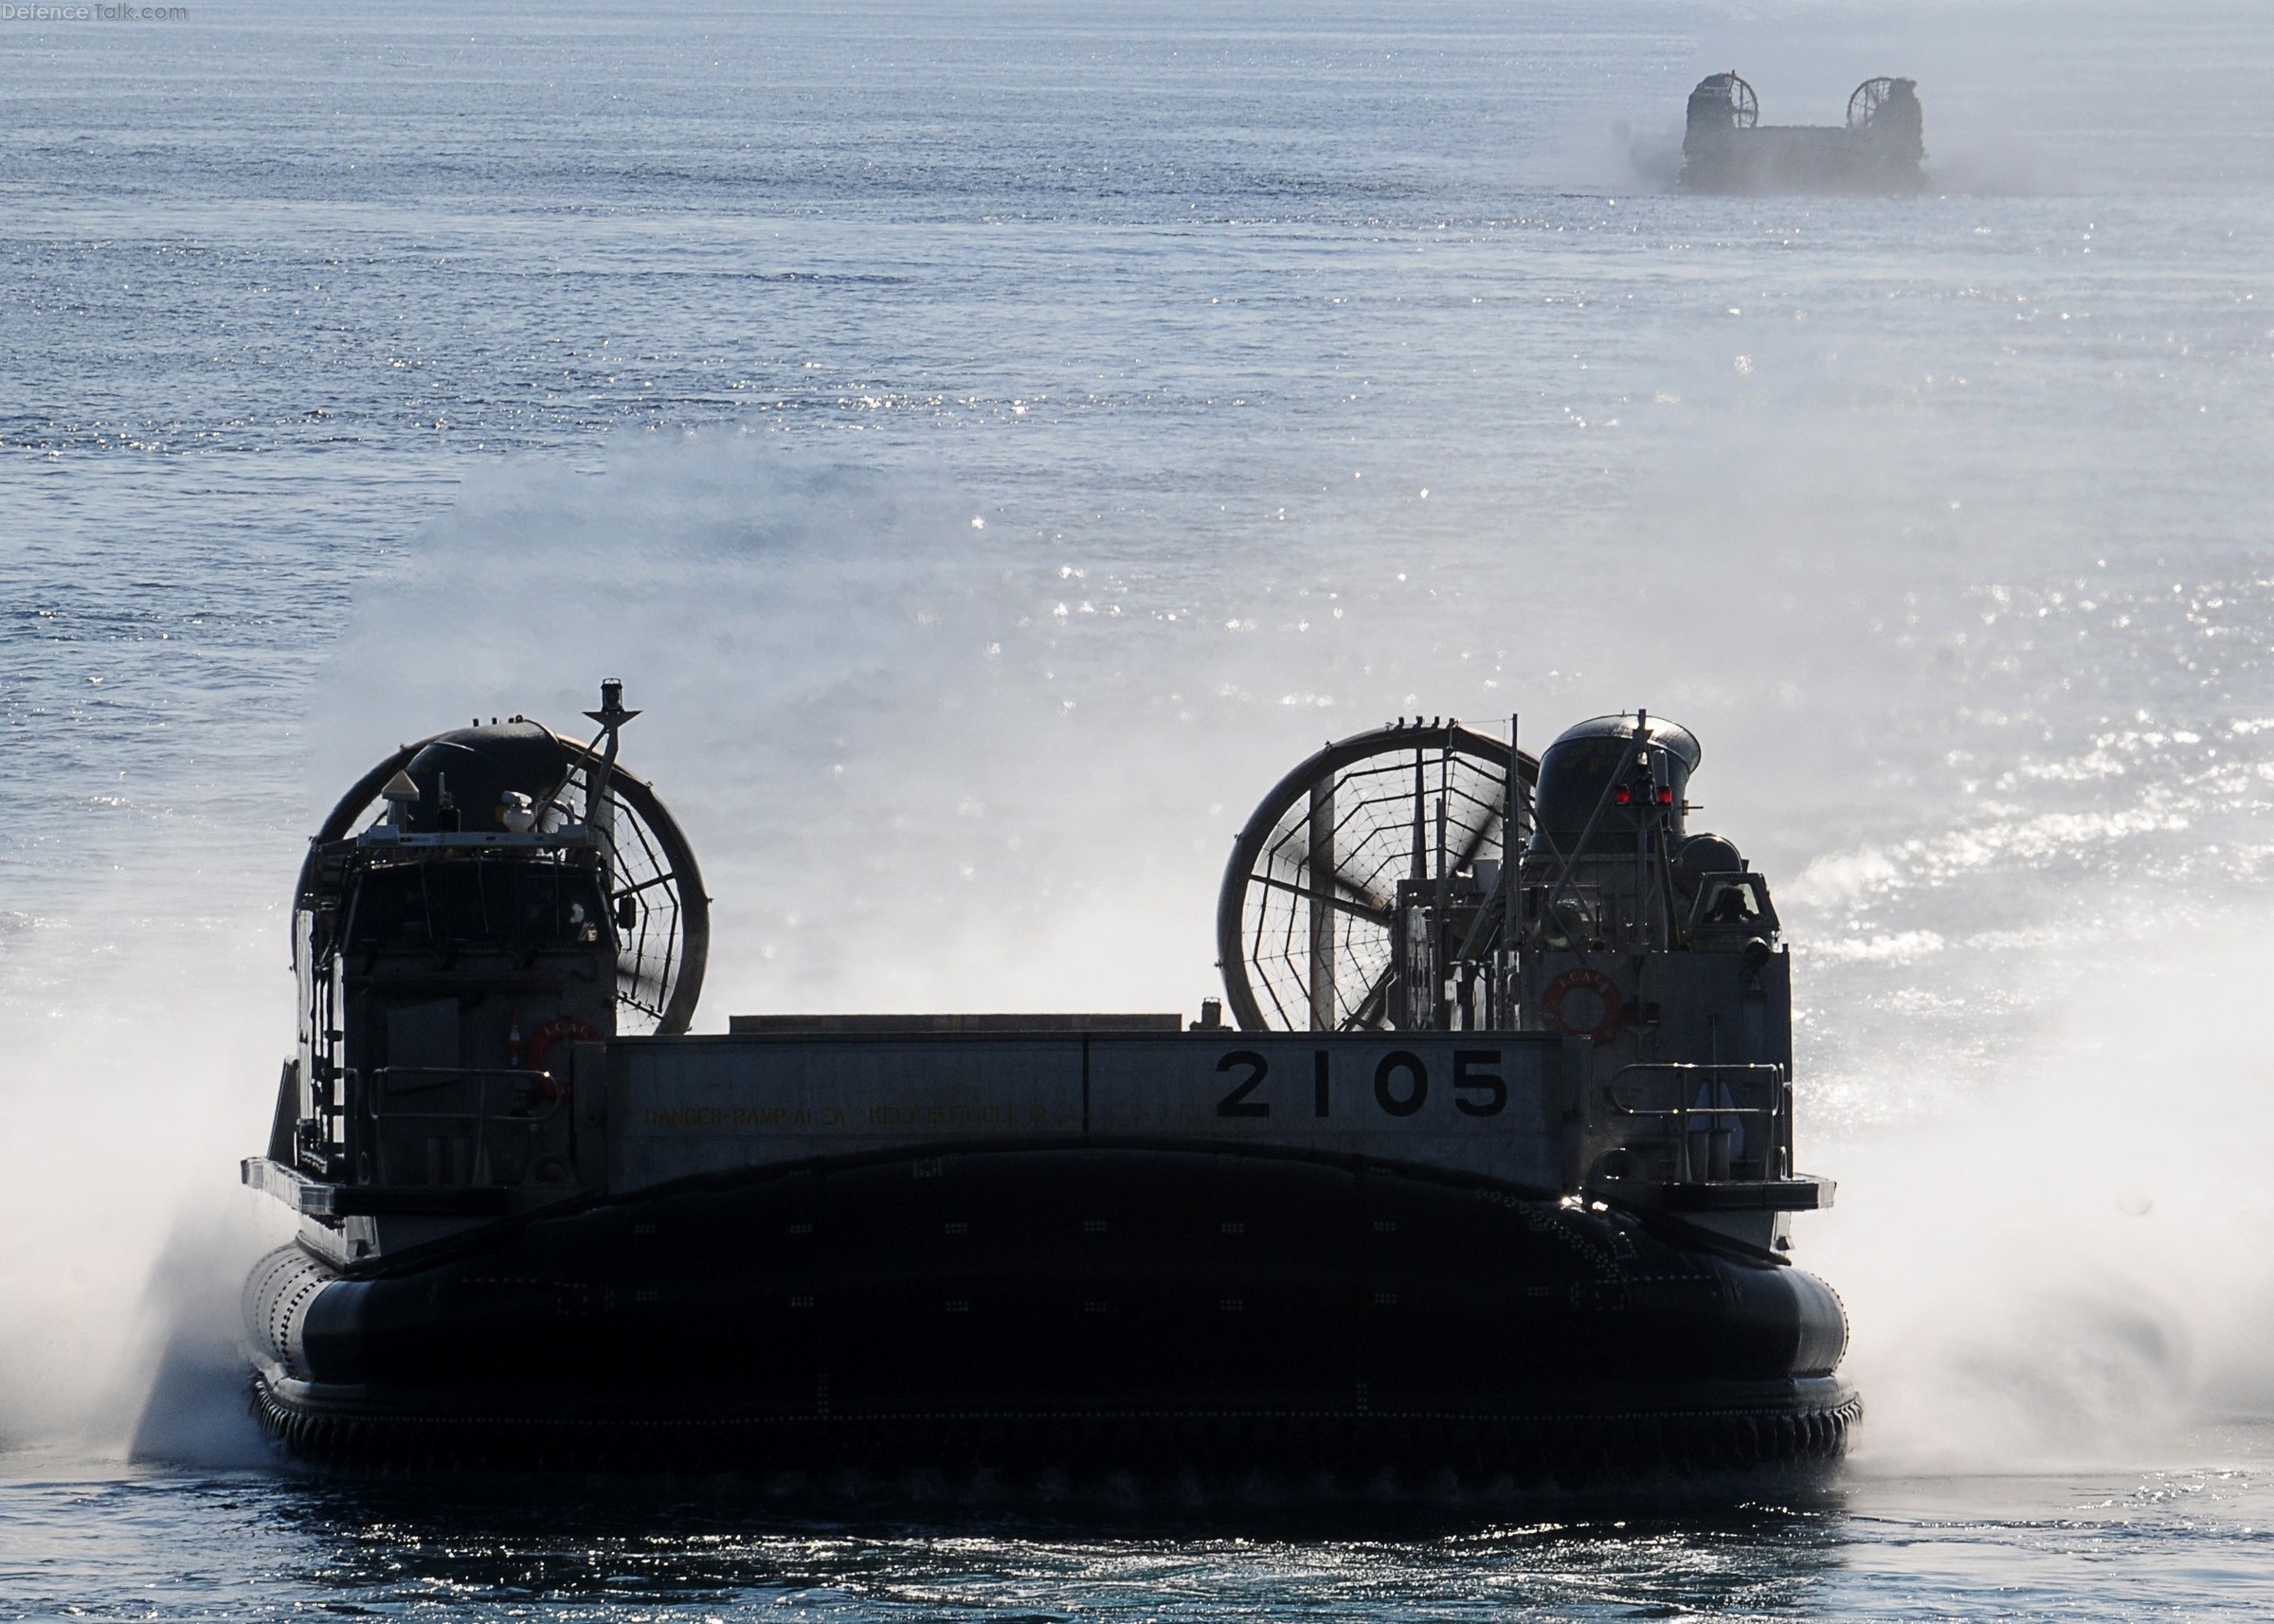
(533, 1097)
(1684, 1113)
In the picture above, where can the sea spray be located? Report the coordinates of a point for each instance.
(2066, 1264)
(131, 1099)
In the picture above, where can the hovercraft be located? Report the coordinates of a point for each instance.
(1880, 149)
(1488, 1173)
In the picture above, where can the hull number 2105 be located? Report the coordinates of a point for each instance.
(1401, 1083)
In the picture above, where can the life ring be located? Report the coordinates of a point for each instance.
(1606, 992)
(532, 1052)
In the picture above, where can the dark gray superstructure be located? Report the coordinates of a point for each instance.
(1881, 148)
(1490, 1174)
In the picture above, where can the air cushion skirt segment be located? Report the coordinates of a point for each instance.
(1075, 1308)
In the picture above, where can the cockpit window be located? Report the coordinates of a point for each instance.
(1731, 905)
(516, 905)
(1734, 901)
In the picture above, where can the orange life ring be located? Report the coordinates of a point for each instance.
(1606, 992)
(532, 1052)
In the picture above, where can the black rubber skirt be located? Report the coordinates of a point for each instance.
(1069, 1310)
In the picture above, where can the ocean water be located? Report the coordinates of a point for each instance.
(992, 441)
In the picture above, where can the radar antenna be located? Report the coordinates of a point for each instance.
(662, 917)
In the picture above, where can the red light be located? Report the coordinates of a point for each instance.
(1620, 796)
(1666, 798)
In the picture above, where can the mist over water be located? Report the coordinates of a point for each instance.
(992, 445)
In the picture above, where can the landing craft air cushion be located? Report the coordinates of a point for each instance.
(1489, 1173)
(1880, 149)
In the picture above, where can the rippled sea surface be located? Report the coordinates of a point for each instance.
(2182, 1544)
(992, 442)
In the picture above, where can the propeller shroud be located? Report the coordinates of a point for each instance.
(1868, 97)
(1305, 917)
(654, 886)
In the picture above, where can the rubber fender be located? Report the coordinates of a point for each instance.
(1793, 1320)
(333, 1332)
(278, 1292)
